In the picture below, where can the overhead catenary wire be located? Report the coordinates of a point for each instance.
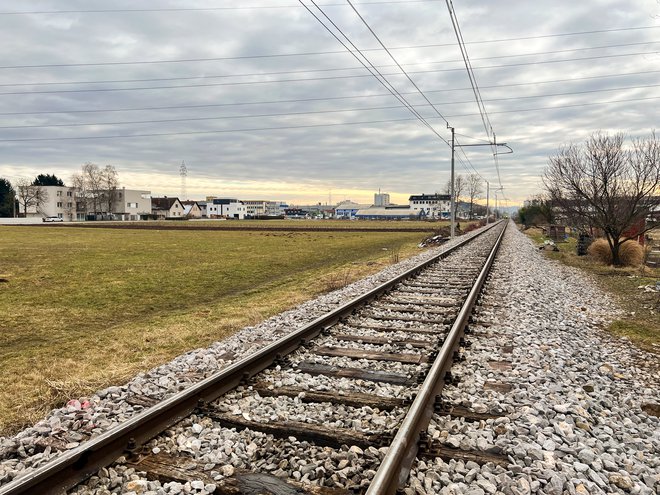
(389, 53)
(369, 66)
(490, 133)
(413, 83)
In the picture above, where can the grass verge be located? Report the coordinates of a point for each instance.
(84, 309)
(641, 323)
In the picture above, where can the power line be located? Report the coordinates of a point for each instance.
(396, 62)
(475, 87)
(301, 54)
(332, 98)
(283, 114)
(382, 79)
(577, 105)
(305, 71)
(202, 9)
(220, 131)
(405, 119)
(196, 119)
(277, 81)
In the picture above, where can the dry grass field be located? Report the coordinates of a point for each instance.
(82, 309)
(641, 323)
(274, 224)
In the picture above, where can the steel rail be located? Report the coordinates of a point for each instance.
(395, 468)
(78, 464)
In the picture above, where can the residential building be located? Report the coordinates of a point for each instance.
(225, 208)
(59, 201)
(431, 205)
(163, 208)
(131, 204)
(191, 209)
(202, 207)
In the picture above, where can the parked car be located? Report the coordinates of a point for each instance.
(52, 219)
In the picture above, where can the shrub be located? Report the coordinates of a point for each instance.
(630, 252)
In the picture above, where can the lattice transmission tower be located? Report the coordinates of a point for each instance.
(183, 172)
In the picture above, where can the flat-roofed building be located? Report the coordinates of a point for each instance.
(433, 205)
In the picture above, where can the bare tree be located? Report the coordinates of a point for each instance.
(30, 196)
(475, 188)
(459, 186)
(109, 182)
(96, 188)
(606, 185)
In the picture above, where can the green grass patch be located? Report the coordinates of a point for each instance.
(86, 308)
(641, 323)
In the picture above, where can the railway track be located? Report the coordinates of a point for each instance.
(342, 403)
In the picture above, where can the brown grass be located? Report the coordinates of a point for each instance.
(631, 253)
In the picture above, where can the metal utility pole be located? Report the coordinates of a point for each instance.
(493, 144)
(452, 213)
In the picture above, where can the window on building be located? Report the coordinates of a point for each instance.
(69, 193)
(59, 193)
(59, 204)
(69, 205)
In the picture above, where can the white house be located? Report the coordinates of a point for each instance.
(225, 208)
(163, 208)
(191, 209)
(430, 205)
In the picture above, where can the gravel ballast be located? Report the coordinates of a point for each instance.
(573, 420)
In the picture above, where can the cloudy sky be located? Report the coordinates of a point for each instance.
(262, 102)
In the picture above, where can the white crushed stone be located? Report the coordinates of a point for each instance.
(573, 422)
